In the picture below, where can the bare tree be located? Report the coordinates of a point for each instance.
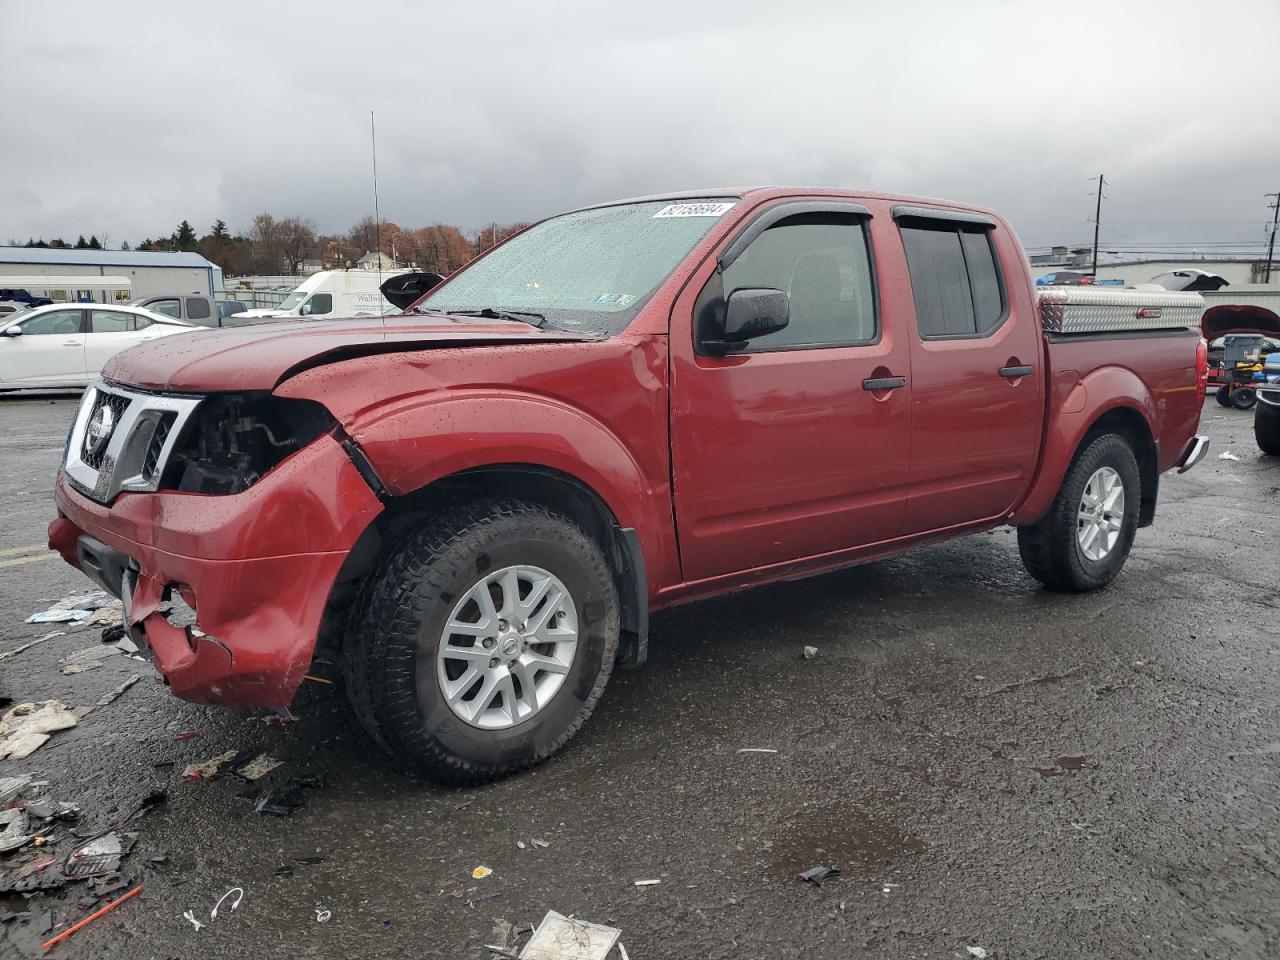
(297, 240)
(264, 235)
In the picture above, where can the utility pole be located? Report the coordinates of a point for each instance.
(1275, 222)
(1097, 223)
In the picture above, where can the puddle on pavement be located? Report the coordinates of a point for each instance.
(848, 835)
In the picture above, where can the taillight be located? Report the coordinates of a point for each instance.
(1202, 364)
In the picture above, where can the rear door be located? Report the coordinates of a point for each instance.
(111, 331)
(49, 351)
(977, 390)
(797, 445)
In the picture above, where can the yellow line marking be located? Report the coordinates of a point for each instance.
(21, 560)
(14, 551)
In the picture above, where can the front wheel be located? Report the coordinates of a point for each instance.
(484, 641)
(1266, 428)
(1085, 538)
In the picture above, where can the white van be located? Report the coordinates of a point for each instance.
(334, 293)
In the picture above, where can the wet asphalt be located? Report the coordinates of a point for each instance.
(987, 764)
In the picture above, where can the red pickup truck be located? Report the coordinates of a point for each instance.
(473, 507)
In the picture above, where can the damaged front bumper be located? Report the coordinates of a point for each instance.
(256, 567)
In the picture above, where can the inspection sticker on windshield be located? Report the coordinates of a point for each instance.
(694, 210)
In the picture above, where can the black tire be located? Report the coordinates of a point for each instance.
(1243, 398)
(1223, 395)
(1049, 549)
(390, 650)
(1266, 428)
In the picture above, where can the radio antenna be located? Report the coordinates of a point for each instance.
(377, 219)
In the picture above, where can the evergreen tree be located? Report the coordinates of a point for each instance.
(93, 243)
(184, 238)
(82, 244)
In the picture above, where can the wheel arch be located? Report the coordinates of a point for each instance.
(555, 489)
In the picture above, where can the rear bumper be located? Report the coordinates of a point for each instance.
(259, 565)
(1194, 452)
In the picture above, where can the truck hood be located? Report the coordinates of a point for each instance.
(260, 357)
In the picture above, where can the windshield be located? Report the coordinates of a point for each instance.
(292, 300)
(589, 270)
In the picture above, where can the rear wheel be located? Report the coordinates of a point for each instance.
(1223, 395)
(1266, 428)
(484, 641)
(1243, 398)
(1085, 538)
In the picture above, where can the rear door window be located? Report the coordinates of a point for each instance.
(197, 309)
(110, 321)
(955, 279)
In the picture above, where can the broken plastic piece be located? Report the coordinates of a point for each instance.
(980, 952)
(31, 643)
(190, 917)
(322, 914)
(810, 652)
(257, 768)
(1224, 455)
(479, 873)
(756, 750)
(96, 858)
(26, 727)
(647, 883)
(13, 829)
(58, 616)
(564, 938)
(816, 875)
(209, 769)
(10, 787)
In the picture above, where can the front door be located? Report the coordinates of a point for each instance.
(796, 445)
(49, 351)
(977, 402)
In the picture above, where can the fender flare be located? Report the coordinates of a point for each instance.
(1077, 412)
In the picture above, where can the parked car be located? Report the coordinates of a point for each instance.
(196, 309)
(9, 307)
(19, 295)
(333, 293)
(473, 508)
(1266, 416)
(65, 345)
(229, 308)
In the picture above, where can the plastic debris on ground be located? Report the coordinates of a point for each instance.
(31, 643)
(110, 697)
(647, 883)
(256, 768)
(26, 727)
(757, 750)
(980, 952)
(10, 787)
(565, 938)
(816, 875)
(1224, 455)
(209, 769)
(97, 858)
(283, 801)
(58, 616)
(810, 652)
(93, 916)
(14, 829)
(479, 873)
(90, 658)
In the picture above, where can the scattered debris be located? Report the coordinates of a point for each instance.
(1224, 455)
(257, 768)
(308, 861)
(187, 735)
(26, 727)
(190, 917)
(213, 914)
(92, 917)
(980, 952)
(816, 875)
(282, 802)
(322, 914)
(540, 843)
(757, 750)
(97, 858)
(647, 883)
(58, 616)
(33, 643)
(479, 873)
(810, 652)
(90, 657)
(13, 829)
(10, 787)
(113, 695)
(564, 938)
(622, 952)
(199, 772)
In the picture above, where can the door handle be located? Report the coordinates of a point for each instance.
(884, 383)
(1012, 373)
(71, 343)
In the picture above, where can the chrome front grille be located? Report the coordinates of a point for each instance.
(122, 439)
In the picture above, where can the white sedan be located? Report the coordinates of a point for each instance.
(66, 345)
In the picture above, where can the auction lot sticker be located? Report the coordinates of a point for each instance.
(694, 210)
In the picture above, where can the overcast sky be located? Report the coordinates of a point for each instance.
(122, 119)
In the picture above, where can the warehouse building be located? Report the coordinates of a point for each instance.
(134, 273)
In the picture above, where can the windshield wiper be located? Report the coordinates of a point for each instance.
(519, 316)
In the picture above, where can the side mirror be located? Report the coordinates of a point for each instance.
(14, 331)
(750, 313)
(405, 288)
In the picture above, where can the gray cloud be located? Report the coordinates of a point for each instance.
(135, 116)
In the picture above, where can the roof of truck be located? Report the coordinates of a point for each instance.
(777, 192)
